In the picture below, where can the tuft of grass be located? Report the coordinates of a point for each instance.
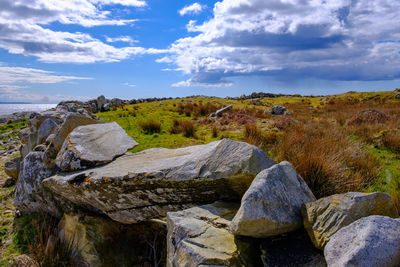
(150, 126)
(185, 127)
(391, 140)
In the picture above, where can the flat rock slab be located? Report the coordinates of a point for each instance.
(200, 235)
(92, 145)
(272, 204)
(326, 216)
(372, 241)
(144, 185)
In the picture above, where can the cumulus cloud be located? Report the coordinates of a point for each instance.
(124, 39)
(194, 8)
(338, 40)
(25, 28)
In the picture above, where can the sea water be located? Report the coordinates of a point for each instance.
(6, 109)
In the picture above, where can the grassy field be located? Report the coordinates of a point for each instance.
(347, 142)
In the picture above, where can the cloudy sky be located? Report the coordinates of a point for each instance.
(51, 50)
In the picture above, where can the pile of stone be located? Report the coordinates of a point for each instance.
(220, 204)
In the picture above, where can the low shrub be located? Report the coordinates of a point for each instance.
(391, 140)
(185, 127)
(150, 127)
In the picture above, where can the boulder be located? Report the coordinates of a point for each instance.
(92, 145)
(144, 185)
(372, 241)
(326, 216)
(71, 122)
(12, 168)
(222, 110)
(48, 127)
(272, 204)
(278, 110)
(29, 194)
(199, 236)
(101, 101)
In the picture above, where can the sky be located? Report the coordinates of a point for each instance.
(54, 50)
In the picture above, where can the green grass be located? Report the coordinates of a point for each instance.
(163, 112)
(4, 128)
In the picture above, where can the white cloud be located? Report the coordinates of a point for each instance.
(338, 40)
(124, 39)
(194, 8)
(24, 29)
(14, 84)
(130, 85)
(29, 75)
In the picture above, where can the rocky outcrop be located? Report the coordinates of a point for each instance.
(272, 204)
(326, 216)
(48, 127)
(92, 145)
(199, 236)
(12, 168)
(29, 194)
(136, 187)
(371, 241)
(279, 110)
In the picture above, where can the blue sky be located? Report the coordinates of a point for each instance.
(53, 50)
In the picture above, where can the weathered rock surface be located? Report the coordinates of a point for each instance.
(99, 241)
(23, 261)
(71, 122)
(272, 204)
(29, 195)
(278, 110)
(48, 127)
(199, 236)
(136, 187)
(12, 168)
(326, 216)
(372, 241)
(291, 249)
(92, 145)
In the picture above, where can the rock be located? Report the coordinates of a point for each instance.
(326, 216)
(48, 127)
(278, 110)
(12, 168)
(144, 185)
(8, 182)
(222, 110)
(29, 195)
(98, 241)
(107, 107)
(272, 204)
(398, 96)
(291, 249)
(369, 241)
(40, 148)
(199, 236)
(92, 145)
(23, 261)
(71, 122)
(101, 101)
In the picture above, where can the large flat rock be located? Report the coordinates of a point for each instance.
(326, 216)
(136, 187)
(92, 145)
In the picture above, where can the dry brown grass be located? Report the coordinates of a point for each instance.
(197, 109)
(264, 140)
(391, 140)
(326, 158)
(150, 126)
(186, 127)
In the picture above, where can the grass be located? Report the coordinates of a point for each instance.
(332, 142)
